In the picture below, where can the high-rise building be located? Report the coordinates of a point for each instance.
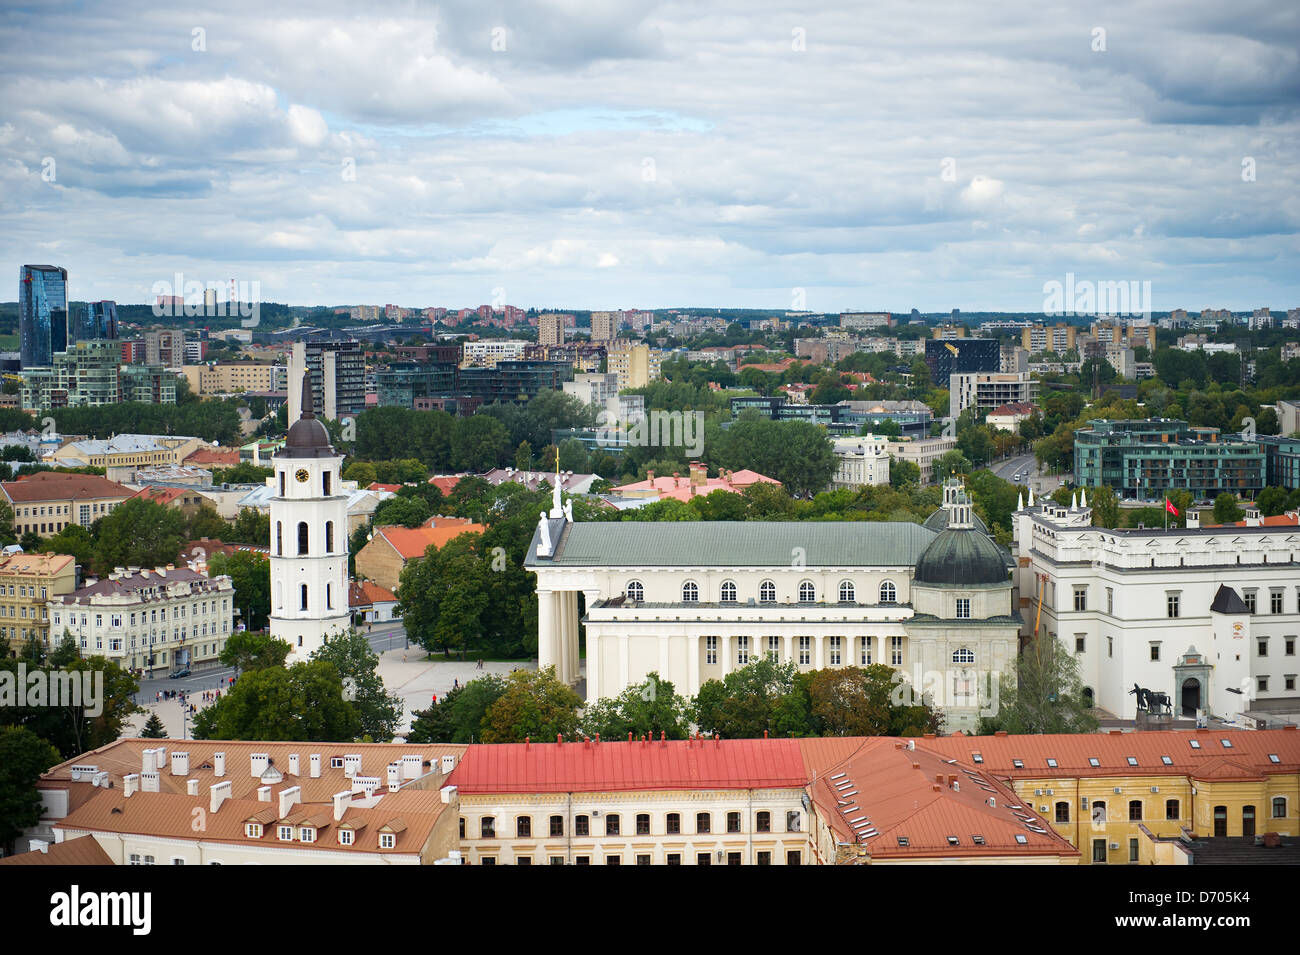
(635, 365)
(947, 357)
(338, 377)
(604, 326)
(42, 313)
(309, 537)
(98, 321)
(550, 329)
(166, 348)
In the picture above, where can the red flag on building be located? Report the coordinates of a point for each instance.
(1170, 508)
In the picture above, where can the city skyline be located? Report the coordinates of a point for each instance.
(657, 156)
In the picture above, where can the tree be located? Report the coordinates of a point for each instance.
(303, 702)
(363, 472)
(649, 708)
(902, 473)
(1043, 694)
(406, 511)
(524, 457)
(1226, 510)
(443, 595)
(245, 472)
(138, 532)
(378, 712)
(251, 526)
(867, 701)
(250, 573)
(744, 703)
(573, 456)
(73, 728)
(1272, 501)
(954, 462)
(247, 651)
(153, 728)
(478, 443)
(1105, 506)
(535, 705)
(207, 523)
(796, 453)
(458, 716)
(23, 757)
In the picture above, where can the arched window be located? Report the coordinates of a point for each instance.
(690, 592)
(767, 592)
(807, 592)
(325, 482)
(329, 596)
(304, 596)
(635, 591)
(282, 473)
(963, 656)
(729, 592)
(329, 536)
(847, 592)
(279, 596)
(302, 537)
(888, 592)
(279, 538)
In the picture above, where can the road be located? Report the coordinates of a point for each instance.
(1009, 468)
(386, 636)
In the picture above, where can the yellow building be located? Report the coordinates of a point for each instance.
(635, 365)
(48, 501)
(27, 583)
(1131, 798)
(230, 377)
(128, 451)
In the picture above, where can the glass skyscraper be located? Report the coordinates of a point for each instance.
(42, 314)
(98, 321)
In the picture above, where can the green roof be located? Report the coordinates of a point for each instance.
(735, 544)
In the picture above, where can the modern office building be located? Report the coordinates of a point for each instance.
(987, 391)
(338, 377)
(402, 384)
(87, 374)
(947, 357)
(97, 321)
(845, 418)
(42, 314)
(1146, 459)
(1281, 460)
(513, 381)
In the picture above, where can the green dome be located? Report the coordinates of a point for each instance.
(961, 556)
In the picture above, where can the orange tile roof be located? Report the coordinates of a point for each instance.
(81, 851)
(61, 486)
(222, 457)
(1289, 519)
(376, 486)
(161, 495)
(446, 483)
(412, 542)
(681, 489)
(620, 766)
(1249, 753)
(34, 563)
(364, 593)
(874, 791)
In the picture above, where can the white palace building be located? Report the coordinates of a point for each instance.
(693, 601)
(1209, 616)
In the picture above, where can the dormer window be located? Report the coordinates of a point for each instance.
(387, 840)
(308, 834)
(253, 830)
(345, 837)
(286, 833)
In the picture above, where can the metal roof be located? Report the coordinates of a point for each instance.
(734, 544)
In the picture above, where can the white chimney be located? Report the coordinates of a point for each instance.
(258, 763)
(219, 793)
(341, 804)
(448, 793)
(38, 845)
(394, 776)
(263, 793)
(293, 764)
(448, 764)
(411, 766)
(351, 764)
(99, 780)
(288, 798)
(1253, 517)
(149, 782)
(191, 787)
(314, 759)
(218, 764)
(130, 784)
(150, 760)
(1193, 519)
(180, 764)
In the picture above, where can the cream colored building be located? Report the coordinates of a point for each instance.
(604, 326)
(127, 451)
(236, 376)
(922, 452)
(693, 601)
(550, 329)
(860, 462)
(46, 502)
(635, 365)
(27, 583)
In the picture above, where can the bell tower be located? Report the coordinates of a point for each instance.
(309, 538)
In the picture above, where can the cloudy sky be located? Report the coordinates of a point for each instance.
(623, 153)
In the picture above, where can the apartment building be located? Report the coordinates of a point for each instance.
(635, 365)
(987, 391)
(164, 347)
(489, 351)
(604, 326)
(149, 620)
(48, 501)
(27, 583)
(1058, 338)
(923, 452)
(550, 329)
(1145, 459)
(236, 376)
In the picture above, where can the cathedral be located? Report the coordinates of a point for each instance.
(693, 601)
(309, 538)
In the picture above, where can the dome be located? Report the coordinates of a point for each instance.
(961, 556)
(938, 521)
(307, 437)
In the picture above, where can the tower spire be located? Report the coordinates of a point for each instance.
(308, 405)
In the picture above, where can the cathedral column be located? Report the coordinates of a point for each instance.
(726, 655)
(693, 664)
(575, 655)
(623, 668)
(561, 636)
(789, 648)
(546, 629)
(593, 650)
(819, 660)
(663, 657)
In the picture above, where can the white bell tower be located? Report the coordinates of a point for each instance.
(309, 538)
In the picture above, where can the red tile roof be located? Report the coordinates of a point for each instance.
(62, 486)
(376, 486)
(365, 593)
(1249, 753)
(446, 483)
(217, 457)
(412, 542)
(82, 851)
(622, 766)
(874, 791)
(161, 495)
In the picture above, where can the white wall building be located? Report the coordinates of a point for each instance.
(1209, 616)
(861, 462)
(309, 538)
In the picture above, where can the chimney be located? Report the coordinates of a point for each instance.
(263, 793)
(218, 793)
(448, 793)
(288, 798)
(258, 762)
(314, 762)
(394, 777)
(38, 845)
(218, 764)
(411, 766)
(294, 766)
(351, 764)
(180, 764)
(149, 782)
(130, 785)
(1252, 517)
(191, 787)
(448, 764)
(150, 763)
(650, 476)
(1193, 519)
(341, 804)
(698, 472)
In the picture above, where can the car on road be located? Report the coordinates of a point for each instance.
(177, 674)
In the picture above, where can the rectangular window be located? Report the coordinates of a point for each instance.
(703, 858)
(1110, 646)
(1173, 601)
(581, 826)
(896, 651)
(673, 825)
(674, 858)
(805, 651)
(643, 824)
(1081, 598)
(524, 827)
(963, 608)
(794, 857)
(557, 825)
(1275, 601)
(611, 824)
(1263, 646)
(733, 822)
(774, 647)
(835, 651)
(1155, 652)
(1110, 600)
(387, 840)
(1250, 600)
(764, 858)
(866, 651)
(742, 650)
(703, 823)
(1079, 643)
(1289, 650)
(488, 828)
(1132, 850)
(710, 649)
